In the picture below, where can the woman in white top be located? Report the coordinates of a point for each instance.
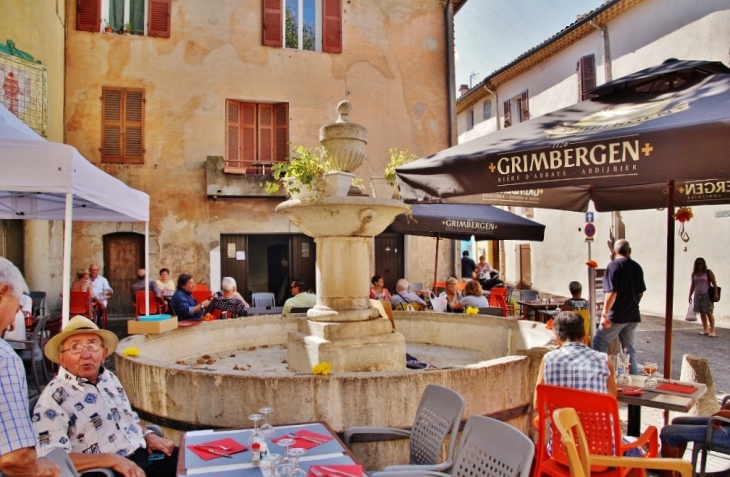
(452, 295)
(473, 296)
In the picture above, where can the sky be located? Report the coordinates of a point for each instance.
(491, 33)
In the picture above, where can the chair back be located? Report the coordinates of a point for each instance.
(510, 289)
(200, 287)
(529, 295)
(201, 295)
(439, 287)
(491, 448)
(39, 302)
(498, 301)
(491, 310)
(80, 304)
(300, 309)
(415, 286)
(31, 404)
(141, 305)
(498, 291)
(263, 299)
(439, 413)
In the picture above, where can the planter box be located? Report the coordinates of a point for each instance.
(381, 188)
(153, 324)
(338, 183)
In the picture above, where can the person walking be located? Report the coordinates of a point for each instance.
(623, 285)
(702, 277)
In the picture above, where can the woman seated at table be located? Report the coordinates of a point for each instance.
(83, 284)
(452, 295)
(378, 291)
(228, 299)
(165, 284)
(473, 296)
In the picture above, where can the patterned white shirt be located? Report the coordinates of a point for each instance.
(575, 365)
(78, 416)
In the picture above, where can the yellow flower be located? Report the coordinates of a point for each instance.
(470, 310)
(132, 351)
(322, 368)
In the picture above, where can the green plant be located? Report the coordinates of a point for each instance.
(398, 157)
(128, 27)
(305, 168)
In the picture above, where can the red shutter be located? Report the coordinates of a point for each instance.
(281, 132)
(248, 132)
(507, 113)
(159, 18)
(524, 107)
(88, 15)
(133, 126)
(272, 24)
(332, 26)
(586, 76)
(266, 133)
(233, 137)
(111, 125)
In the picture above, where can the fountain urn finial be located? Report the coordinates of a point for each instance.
(345, 141)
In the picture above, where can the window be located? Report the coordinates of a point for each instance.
(314, 25)
(144, 17)
(487, 109)
(257, 135)
(470, 120)
(586, 76)
(122, 124)
(518, 107)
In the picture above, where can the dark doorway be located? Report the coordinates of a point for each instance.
(234, 261)
(303, 260)
(389, 258)
(11, 242)
(277, 257)
(123, 256)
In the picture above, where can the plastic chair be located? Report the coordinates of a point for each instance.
(438, 415)
(599, 417)
(201, 295)
(504, 293)
(200, 287)
(491, 310)
(140, 308)
(705, 447)
(80, 304)
(498, 301)
(439, 287)
(300, 309)
(581, 461)
(39, 303)
(263, 299)
(31, 351)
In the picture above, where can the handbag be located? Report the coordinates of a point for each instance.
(438, 303)
(711, 290)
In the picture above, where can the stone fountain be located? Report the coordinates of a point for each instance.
(344, 329)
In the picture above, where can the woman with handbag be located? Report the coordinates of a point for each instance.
(705, 290)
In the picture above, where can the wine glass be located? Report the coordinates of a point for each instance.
(650, 369)
(255, 435)
(297, 471)
(269, 464)
(267, 430)
(285, 465)
(624, 361)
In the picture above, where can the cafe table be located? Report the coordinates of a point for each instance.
(667, 399)
(534, 307)
(331, 453)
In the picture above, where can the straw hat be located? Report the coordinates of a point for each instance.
(76, 326)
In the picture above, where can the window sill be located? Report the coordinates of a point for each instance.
(224, 181)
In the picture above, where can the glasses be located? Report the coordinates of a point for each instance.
(78, 348)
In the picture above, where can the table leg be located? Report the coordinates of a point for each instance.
(634, 424)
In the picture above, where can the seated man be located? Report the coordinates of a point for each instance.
(301, 298)
(686, 429)
(85, 410)
(402, 297)
(230, 301)
(17, 438)
(140, 284)
(183, 302)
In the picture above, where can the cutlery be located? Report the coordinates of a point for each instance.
(313, 440)
(210, 450)
(216, 445)
(316, 472)
(335, 471)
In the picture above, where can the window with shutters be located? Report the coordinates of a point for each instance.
(517, 109)
(139, 17)
(314, 25)
(257, 136)
(586, 76)
(122, 125)
(487, 109)
(470, 120)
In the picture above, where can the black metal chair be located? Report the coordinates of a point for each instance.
(703, 448)
(300, 309)
(31, 351)
(491, 310)
(39, 303)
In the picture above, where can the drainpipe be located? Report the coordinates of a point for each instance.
(450, 80)
(501, 257)
(496, 105)
(606, 50)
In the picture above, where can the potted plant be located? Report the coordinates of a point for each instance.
(302, 174)
(384, 187)
(127, 28)
(107, 27)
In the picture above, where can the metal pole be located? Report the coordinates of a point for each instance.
(66, 280)
(669, 306)
(436, 264)
(592, 293)
(147, 266)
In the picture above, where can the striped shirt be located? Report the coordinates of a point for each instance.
(16, 430)
(575, 365)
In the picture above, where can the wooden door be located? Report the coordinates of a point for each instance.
(11, 242)
(524, 266)
(389, 258)
(234, 260)
(123, 256)
(303, 260)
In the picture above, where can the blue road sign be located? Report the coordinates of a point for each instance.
(589, 217)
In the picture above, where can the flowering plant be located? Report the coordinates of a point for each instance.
(323, 368)
(684, 214)
(398, 157)
(132, 352)
(470, 310)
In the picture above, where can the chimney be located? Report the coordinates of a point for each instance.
(463, 89)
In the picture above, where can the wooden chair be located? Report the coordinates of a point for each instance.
(140, 307)
(581, 461)
(599, 417)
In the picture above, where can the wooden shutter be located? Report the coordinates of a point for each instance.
(272, 24)
(281, 132)
(233, 136)
(332, 26)
(133, 132)
(158, 24)
(88, 15)
(586, 76)
(266, 133)
(111, 125)
(507, 113)
(524, 107)
(248, 132)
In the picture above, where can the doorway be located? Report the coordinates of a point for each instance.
(389, 258)
(11, 242)
(123, 256)
(524, 266)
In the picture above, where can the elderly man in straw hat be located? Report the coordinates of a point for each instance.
(85, 410)
(17, 441)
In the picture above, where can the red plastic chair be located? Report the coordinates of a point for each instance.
(499, 301)
(200, 287)
(80, 304)
(140, 308)
(598, 415)
(201, 295)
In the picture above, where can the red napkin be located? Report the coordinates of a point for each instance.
(677, 388)
(353, 469)
(234, 448)
(629, 391)
(303, 443)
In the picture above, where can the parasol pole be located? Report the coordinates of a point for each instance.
(436, 263)
(669, 307)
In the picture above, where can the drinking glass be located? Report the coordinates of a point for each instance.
(267, 430)
(255, 435)
(269, 463)
(623, 364)
(650, 369)
(285, 465)
(297, 471)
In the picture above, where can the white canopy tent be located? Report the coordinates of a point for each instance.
(45, 180)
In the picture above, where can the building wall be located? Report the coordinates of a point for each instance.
(37, 28)
(643, 36)
(392, 69)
